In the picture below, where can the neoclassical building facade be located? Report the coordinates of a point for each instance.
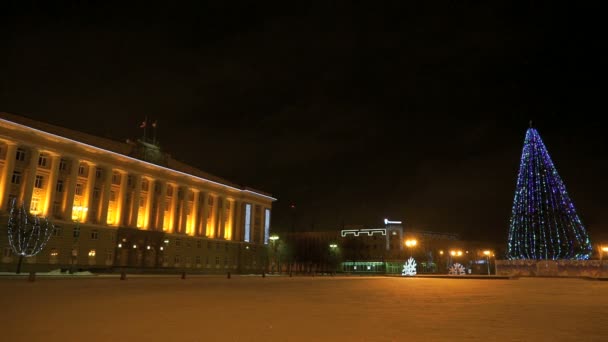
(128, 204)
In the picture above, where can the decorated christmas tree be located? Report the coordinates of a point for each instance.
(544, 224)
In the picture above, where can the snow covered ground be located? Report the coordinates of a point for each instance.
(209, 308)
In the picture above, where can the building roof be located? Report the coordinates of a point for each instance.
(126, 148)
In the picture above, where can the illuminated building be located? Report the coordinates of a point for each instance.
(125, 204)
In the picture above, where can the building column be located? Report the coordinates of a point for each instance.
(88, 198)
(7, 174)
(121, 201)
(28, 186)
(51, 184)
(173, 212)
(219, 222)
(195, 213)
(183, 210)
(237, 229)
(149, 215)
(160, 215)
(204, 209)
(105, 196)
(135, 201)
(71, 187)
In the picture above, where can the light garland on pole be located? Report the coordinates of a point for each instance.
(27, 235)
(544, 224)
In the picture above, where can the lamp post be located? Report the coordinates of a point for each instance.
(273, 239)
(603, 249)
(410, 244)
(487, 254)
(332, 250)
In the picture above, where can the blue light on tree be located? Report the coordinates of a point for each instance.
(544, 224)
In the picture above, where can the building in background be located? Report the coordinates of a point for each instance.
(127, 204)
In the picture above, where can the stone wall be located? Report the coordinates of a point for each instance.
(552, 268)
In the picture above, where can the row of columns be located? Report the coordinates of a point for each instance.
(126, 213)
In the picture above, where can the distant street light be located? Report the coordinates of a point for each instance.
(411, 243)
(273, 239)
(487, 254)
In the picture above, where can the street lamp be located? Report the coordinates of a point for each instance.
(411, 243)
(273, 239)
(603, 249)
(487, 254)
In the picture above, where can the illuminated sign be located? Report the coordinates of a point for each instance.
(369, 232)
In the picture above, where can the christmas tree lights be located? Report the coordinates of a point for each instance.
(544, 224)
(27, 234)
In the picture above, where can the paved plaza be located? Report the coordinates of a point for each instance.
(252, 308)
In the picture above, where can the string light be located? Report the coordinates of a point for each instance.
(27, 234)
(409, 268)
(544, 224)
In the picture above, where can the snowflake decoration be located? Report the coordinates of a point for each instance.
(409, 268)
(457, 269)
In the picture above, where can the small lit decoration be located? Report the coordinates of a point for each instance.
(457, 269)
(27, 234)
(409, 268)
(544, 224)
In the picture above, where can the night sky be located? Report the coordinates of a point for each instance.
(352, 112)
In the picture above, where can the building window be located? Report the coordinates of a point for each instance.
(42, 160)
(38, 182)
(63, 165)
(116, 178)
(210, 201)
(81, 170)
(76, 232)
(169, 191)
(20, 156)
(112, 196)
(96, 193)
(59, 187)
(54, 253)
(97, 173)
(266, 225)
(227, 204)
(92, 253)
(178, 242)
(109, 255)
(198, 259)
(198, 243)
(142, 202)
(247, 223)
(34, 205)
(78, 190)
(176, 259)
(7, 252)
(217, 260)
(16, 179)
(225, 261)
(94, 234)
(144, 185)
(217, 245)
(208, 244)
(57, 231)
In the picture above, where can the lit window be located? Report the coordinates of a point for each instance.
(54, 253)
(94, 234)
(16, 179)
(38, 182)
(92, 253)
(59, 187)
(42, 160)
(78, 190)
(34, 205)
(20, 156)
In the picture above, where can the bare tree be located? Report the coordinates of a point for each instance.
(27, 234)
